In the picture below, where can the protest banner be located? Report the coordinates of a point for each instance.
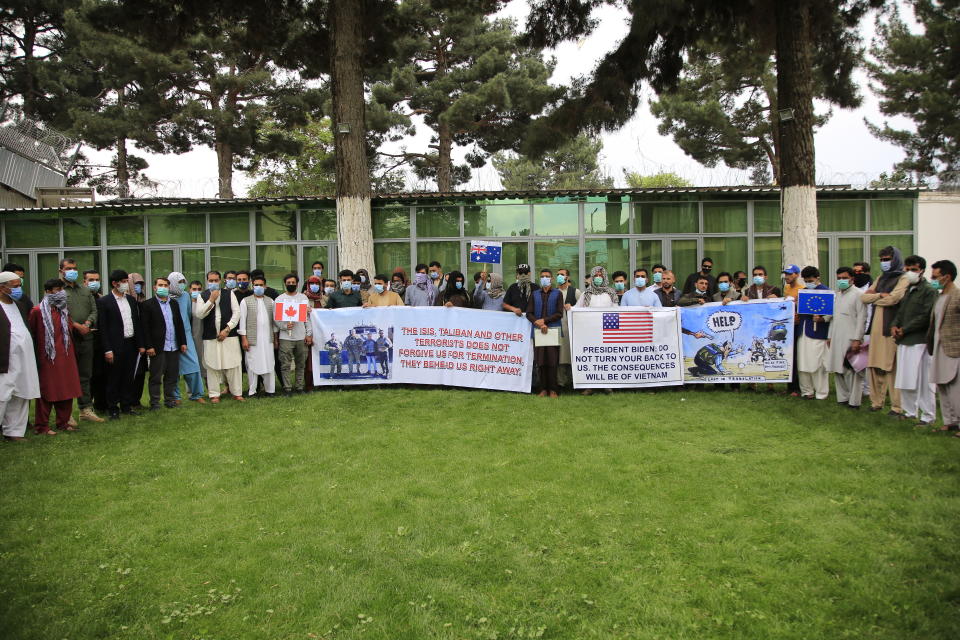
(739, 342)
(422, 345)
(625, 347)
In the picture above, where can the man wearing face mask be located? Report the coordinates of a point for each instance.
(657, 278)
(257, 332)
(19, 382)
(545, 312)
(381, 296)
(640, 295)
(811, 350)
(316, 269)
(845, 337)
(518, 294)
(190, 359)
(943, 342)
(435, 273)
(165, 339)
(243, 285)
(82, 308)
(884, 296)
(619, 283)
(269, 291)
(51, 327)
(346, 296)
(455, 294)
(98, 374)
(667, 292)
(295, 338)
(421, 293)
(219, 314)
(725, 291)
(909, 331)
(196, 289)
(699, 295)
(760, 289)
(230, 281)
(21, 290)
(118, 316)
(706, 266)
(792, 284)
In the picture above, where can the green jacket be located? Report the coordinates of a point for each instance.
(82, 305)
(913, 313)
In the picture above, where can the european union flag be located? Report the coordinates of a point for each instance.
(482, 251)
(815, 302)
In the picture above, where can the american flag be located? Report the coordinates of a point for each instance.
(627, 327)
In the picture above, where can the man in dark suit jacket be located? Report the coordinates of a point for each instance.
(165, 339)
(118, 315)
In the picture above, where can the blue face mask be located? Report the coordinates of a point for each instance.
(759, 280)
(458, 284)
(138, 288)
(379, 288)
(809, 285)
(657, 277)
(936, 284)
(618, 286)
(843, 284)
(885, 265)
(724, 286)
(328, 290)
(70, 275)
(434, 274)
(545, 282)
(318, 273)
(231, 283)
(244, 285)
(163, 292)
(16, 293)
(194, 294)
(640, 282)
(597, 281)
(561, 279)
(94, 285)
(259, 290)
(355, 286)
(213, 286)
(314, 288)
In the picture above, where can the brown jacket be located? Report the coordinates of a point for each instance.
(949, 325)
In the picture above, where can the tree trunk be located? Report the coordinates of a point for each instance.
(796, 152)
(444, 162)
(123, 172)
(224, 168)
(354, 230)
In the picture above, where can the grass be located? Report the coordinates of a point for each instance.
(418, 513)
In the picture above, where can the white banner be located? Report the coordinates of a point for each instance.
(625, 347)
(422, 345)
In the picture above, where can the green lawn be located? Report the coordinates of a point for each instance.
(418, 513)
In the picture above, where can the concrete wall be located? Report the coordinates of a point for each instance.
(938, 226)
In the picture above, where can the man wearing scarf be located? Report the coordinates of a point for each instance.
(489, 293)
(189, 359)
(518, 294)
(598, 293)
(885, 296)
(56, 359)
(18, 364)
(364, 277)
(421, 293)
(399, 282)
(455, 294)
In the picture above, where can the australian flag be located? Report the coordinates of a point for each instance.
(485, 252)
(815, 302)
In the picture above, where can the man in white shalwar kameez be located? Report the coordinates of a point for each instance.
(257, 331)
(812, 352)
(220, 313)
(19, 381)
(846, 336)
(918, 396)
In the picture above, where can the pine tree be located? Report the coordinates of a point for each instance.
(575, 165)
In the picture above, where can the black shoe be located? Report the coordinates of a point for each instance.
(893, 414)
(287, 393)
(171, 405)
(156, 408)
(130, 412)
(114, 415)
(855, 407)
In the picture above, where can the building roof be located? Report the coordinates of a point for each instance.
(157, 203)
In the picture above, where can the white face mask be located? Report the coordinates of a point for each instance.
(913, 277)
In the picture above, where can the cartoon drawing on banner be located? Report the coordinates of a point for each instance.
(359, 352)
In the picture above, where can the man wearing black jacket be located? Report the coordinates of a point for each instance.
(165, 339)
(118, 315)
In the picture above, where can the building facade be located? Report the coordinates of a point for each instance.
(738, 227)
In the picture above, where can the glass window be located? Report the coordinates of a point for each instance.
(390, 255)
(130, 260)
(48, 266)
(438, 222)
(318, 224)
(667, 217)
(558, 254)
(316, 253)
(556, 219)
(223, 258)
(766, 216)
(446, 253)
(276, 225)
(496, 220)
(649, 253)
(729, 254)
(767, 253)
(606, 218)
(125, 230)
(191, 264)
(161, 264)
(849, 250)
(277, 260)
(891, 215)
(904, 242)
(841, 215)
(231, 226)
(81, 231)
(177, 229)
(514, 253)
(43, 232)
(725, 217)
(86, 260)
(391, 222)
(613, 254)
(683, 260)
(823, 255)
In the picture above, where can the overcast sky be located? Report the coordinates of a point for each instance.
(846, 152)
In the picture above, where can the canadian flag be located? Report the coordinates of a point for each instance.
(290, 311)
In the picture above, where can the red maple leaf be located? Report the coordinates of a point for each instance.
(290, 311)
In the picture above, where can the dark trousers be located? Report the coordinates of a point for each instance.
(547, 360)
(120, 377)
(548, 377)
(139, 380)
(165, 370)
(41, 418)
(794, 384)
(83, 346)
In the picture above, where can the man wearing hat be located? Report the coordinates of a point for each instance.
(19, 382)
(518, 294)
(791, 287)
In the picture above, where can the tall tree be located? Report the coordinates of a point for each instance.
(662, 180)
(574, 165)
(469, 78)
(917, 75)
(807, 35)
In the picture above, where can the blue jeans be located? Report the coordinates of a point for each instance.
(194, 385)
